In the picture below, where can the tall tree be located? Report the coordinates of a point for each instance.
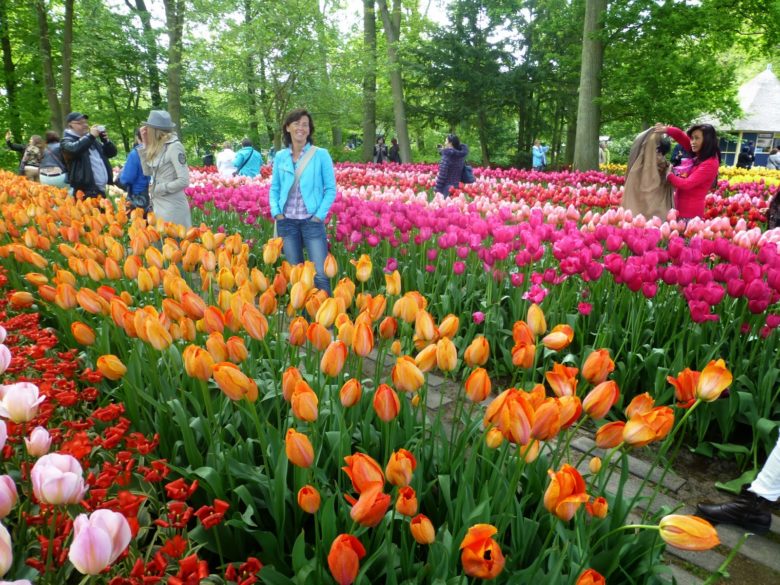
(9, 71)
(67, 59)
(250, 73)
(586, 145)
(150, 45)
(174, 17)
(391, 23)
(49, 80)
(369, 78)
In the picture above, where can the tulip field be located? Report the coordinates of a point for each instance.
(184, 407)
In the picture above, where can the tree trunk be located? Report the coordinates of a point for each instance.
(9, 73)
(483, 137)
(586, 152)
(174, 18)
(251, 77)
(369, 79)
(334, 104)
(49, 83)
(67, 59)
(150, 43)
(392, 26)
(571, 139)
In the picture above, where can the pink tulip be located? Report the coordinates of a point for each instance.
(39, 442)
(3, 434)
(98, 540)
(57, 479)
(478, 317)
(6, 551)
(8, 495)
(3, 334)
(5, 358)
(20, 401)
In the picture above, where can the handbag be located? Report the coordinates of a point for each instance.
(467, 174)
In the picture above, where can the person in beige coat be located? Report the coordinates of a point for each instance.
(646, 191)
(163, 159)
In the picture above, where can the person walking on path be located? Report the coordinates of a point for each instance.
(752, 508)
(163, 160)
(453, 158)
(53, 171)
(303, 187)
(692, 181)
(539, 155)
(86, 152)
(225, 158)
(134, 180)
(247, 161)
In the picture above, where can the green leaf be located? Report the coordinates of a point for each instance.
(735, 485)
(299, 552)
(269, 575)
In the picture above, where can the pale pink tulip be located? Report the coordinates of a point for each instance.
(3, 434)
(98, 540)
(8, 495)
(3, 334)
(20, 401)
(6, 551)
(5, 358)
(39, 442)
(57, 479)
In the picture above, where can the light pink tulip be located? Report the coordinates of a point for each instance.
(8, 495)
(98, 540)
(3, 434)
(3, 334)
(57, 479)
(6, 551)
(20, 401)
(5, 358)
(39, 442)
(17, 582)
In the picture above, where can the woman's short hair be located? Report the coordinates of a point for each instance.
(51, 136)
(709, 145)
(394, 141)
(246, 142)
(454, 140)
(293, 117)
(226, 144)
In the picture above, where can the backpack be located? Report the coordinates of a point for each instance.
(467, 174)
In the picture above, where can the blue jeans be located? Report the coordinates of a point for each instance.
(299, 233)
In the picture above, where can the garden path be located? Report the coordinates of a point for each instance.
(757, 561)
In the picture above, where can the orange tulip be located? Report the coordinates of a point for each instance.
(522, 333)
(350, 393)
(446, 355)
(395, 348)
(216, 346)
(82, 333)
(363, 470)
(253, 321)
(400, 468)
(591, 577)
(330, 266)
(363, 339)
(566, 492)
(157, 334)
(598, 508)
(512, 414)
(478, 352)
(610, 435)
(271, 250)
(388, 328)
(714, 379)
(685, 385)
(370, 507)
(237, 351)
(267, 302)
(36, 278)
(89, 300)
(571, 409)
(233, 382)
(344, 559)
(536, 320)
(426, 358)
(406, 376)
(145, 281)
(406, 309)
(47, 293)
(559, 338)
(393, 283)
(424, 327)
(449, 326)
(547, 421)
(529, 452)
(523, 355)
(318, 336)
(478, 385)
(111, 367)
(598, 365)
(640, 404)
(599, 400)
(327, 313)
(406, 504)
(481, 556)
(333, 359)
(386, 403)
(422, 529)
(304, 402)
(193, 305)
(363, 267)
(198, 363)
(494, 438)
(213, 320)
(65, 296)
(562, 380)
(647, 427)
(688, 532)
(298, 448)
(298, 331)
(309, 499)
(290, 378)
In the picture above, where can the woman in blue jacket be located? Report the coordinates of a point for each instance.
(133, 179)
(303, 187)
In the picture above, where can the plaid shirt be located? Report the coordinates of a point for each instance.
(295, 208)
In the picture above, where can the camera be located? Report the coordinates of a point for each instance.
(101, 129)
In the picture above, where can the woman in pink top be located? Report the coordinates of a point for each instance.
(693, 182)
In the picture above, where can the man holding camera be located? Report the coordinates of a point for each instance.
(87, 157)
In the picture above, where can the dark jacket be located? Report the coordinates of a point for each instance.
(745, 159)
(53, 158)
(75, 153)
(395, 154)
(450, 168)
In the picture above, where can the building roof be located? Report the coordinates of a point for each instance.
(759, 99)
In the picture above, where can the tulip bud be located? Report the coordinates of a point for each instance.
(350, 392)
(386, 403)
(422, 529)
(298, 448)
(309, 499)
(406, 504)
(39, 442)
(688, 532)
(536, 320)
(494, 438)
(57, 479)
(595, 465)
(5, 358)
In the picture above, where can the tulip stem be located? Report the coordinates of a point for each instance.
(721, 572)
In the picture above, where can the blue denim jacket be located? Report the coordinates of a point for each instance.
(318, 182)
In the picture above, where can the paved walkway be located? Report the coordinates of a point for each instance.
(758, 560)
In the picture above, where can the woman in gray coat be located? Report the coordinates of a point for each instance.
(163, 159)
